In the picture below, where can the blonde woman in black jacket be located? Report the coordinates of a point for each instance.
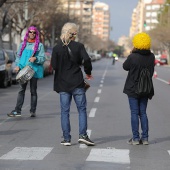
(66, 60)
(139, 58)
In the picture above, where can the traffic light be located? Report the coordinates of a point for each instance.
(2, 2)
(144, 24)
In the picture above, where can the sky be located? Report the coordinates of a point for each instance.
(120, 16)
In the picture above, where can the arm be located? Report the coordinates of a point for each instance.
(87, 62)
(127, 63)
(17, 60)
(40, 56)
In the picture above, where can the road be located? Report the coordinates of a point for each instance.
(34, 143)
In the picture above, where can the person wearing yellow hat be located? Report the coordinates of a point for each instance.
(140, 57)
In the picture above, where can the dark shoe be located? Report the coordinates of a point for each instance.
(144, 142)
(14, 114)
(66, 142)
(133, 142)
(85, 139)
(33, 114)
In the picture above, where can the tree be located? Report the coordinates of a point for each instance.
(2, 2)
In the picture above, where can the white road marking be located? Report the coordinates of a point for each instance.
(96, 100)
(27, 153)
(99, 91)
(109, 155)
(162, 80)
(101, 85)
(92, 112)
(101, 81)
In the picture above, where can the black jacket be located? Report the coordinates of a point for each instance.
(68, 74)
(133, 64)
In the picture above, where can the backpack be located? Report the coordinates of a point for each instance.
(144, 84)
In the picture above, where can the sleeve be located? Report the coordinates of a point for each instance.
(41, 55)
(127, 63)
(87, 61)
(17, 60)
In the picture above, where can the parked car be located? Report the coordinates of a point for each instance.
(5, 69)
(12, 57)
(47, 64)
(92, 56)
(158, 62)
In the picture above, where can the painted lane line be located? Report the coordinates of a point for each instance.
(27, 153)
(96, 100)
(99, 91)
(162, 80)
(92, 112)
(109, 155)
(101, 85)
(101, 81)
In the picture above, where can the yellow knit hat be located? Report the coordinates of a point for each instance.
(142, 41)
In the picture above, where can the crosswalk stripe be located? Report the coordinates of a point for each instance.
(120, 156)
(27, 153)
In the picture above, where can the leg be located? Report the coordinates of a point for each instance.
(134, 107)
(143, 118)
(80, 100)
(20, 98)
(65, 102)
(33, 91)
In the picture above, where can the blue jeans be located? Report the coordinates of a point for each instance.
(21, 96)
(138, 112)
(65, 102)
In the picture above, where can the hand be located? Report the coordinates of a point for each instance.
(88, 77)
(16, 69)
(32, 59)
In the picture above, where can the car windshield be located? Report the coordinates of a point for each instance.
(11, 55)
(2, 56)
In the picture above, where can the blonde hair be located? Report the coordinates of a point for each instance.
(69, 30)
(142, 41)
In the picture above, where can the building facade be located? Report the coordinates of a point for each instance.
(101, 21)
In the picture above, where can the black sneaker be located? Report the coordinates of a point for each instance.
(133, 142)
(85, 139)
(66, 142)
(144, 142)
(14, 114)
(33, 114)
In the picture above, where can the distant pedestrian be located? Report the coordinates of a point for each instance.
(66, 60)
(114, 55)
(30, 52)
(140, 57)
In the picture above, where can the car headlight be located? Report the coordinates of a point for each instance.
(2, 67)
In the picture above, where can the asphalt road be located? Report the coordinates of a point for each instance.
(34, 143)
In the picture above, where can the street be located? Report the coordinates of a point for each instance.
(34, 143)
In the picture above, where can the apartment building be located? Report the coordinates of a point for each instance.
(81, 12)
(101, 21)
(145, 16)
(151, 12)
